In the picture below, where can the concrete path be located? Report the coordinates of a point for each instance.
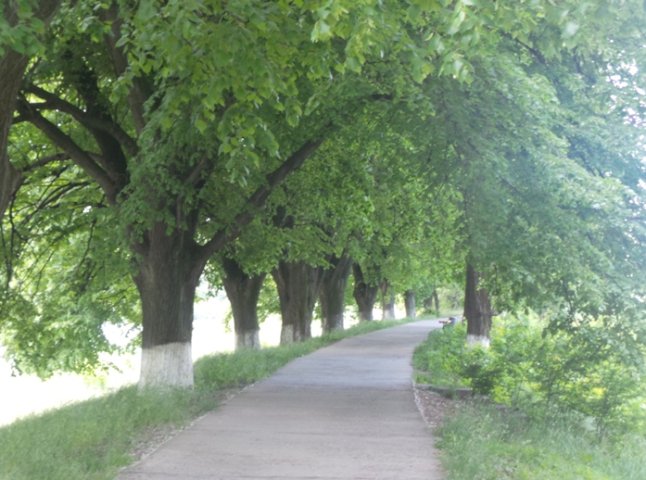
(343, 412)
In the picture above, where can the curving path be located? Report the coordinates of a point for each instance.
(346, 411)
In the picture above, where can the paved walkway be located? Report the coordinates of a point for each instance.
(343, 412)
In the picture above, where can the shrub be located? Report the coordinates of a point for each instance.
(442, 356)
(543, 372)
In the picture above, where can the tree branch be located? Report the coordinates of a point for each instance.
(258, 199)
(59, 193)
(41, 162)
(532, 50)
(89, 121)
(76, 153)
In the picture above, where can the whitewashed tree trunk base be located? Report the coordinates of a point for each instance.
(167, 366)
(478, 341)
(249, 339)
(335, 323)
(287, 335)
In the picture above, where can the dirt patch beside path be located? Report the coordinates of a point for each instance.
(434, 407)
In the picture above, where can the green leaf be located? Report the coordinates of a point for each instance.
(457, 22)
(321, 31)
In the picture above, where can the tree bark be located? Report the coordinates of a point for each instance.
(243, 291)
(387, 301)
(477, 309)
(409, 302)
(364, 294)
(169, 268)
(332, 297)
(298, 288)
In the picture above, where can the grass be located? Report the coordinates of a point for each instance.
(482, 442)
(92, 440)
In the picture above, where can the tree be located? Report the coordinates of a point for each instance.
(332, 295)
(365, 294)
(242, 269)
(410, 304)
(129, 109)
(477, 309)
(186, 116)
(243, 291)
(412, 235)
(319, 210)
(536, 119)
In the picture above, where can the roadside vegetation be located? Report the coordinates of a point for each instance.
(546, 404)
(92, 440)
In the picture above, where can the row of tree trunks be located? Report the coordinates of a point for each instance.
(332, 296)
(364, 294)
(243, 291)
(299, 284)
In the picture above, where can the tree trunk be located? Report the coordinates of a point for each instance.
(298, 287)
(364, 294)
(477, 309)
(332, 296)
(387, 301)
(169, 269)
(436, 299)
(243, 291)
(409, 301)
(432, 303)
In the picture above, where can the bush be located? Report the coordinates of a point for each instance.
(442, 357)
(544, 372)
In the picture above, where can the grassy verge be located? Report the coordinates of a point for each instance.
(482, 442)
(92, 440)
(486, 441)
